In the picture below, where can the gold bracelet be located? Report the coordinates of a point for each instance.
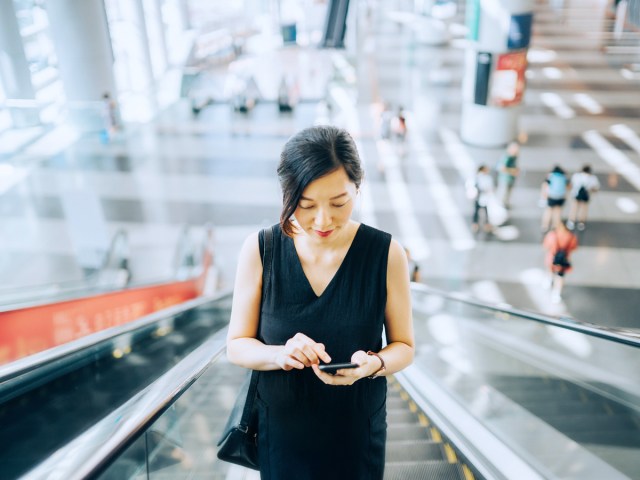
(382, 368)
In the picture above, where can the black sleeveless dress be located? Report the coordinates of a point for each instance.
(309, 430)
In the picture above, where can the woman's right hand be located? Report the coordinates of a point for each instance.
(299, 352)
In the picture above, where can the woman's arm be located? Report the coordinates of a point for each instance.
(400, 348)
(243, 348)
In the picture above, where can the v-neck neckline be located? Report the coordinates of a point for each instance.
(335, 275)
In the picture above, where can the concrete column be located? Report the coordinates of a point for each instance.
(159, 26)
(494, 81)
(80, 35)
(185, 15)
(136, 15)
(14, 69)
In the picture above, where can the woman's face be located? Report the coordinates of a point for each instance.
(325, 207)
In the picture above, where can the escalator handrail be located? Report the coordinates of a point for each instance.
(70, 286)
(83, 292)
(94, 450)
(88, 287)
(627, 336)
(33, 362)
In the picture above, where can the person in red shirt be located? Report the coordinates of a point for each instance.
(559, 244)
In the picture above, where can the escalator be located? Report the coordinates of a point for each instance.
(493, 393)
(44, 408)
(35, 318)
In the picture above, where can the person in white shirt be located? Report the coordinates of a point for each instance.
(484, 188)
(583, 185)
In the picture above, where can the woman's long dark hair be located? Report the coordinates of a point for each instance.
(310, 154)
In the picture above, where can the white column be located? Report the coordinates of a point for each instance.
(14, 69)
(494, 80)
(160, 34)
(185, 15)
(136, 14)
(80, 34)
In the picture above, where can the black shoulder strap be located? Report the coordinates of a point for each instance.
(267, 260)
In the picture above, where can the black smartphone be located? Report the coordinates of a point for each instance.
(332, 368)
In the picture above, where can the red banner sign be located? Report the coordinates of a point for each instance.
(30, 330)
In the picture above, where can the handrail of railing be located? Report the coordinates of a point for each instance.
(32, 362)
(625, 336)
(116, 240)
(84, 292)
(78, 289)
(34, 295)
(90, 453)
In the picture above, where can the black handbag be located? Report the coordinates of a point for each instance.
(239, 441)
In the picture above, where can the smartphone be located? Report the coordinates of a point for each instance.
(332, 368)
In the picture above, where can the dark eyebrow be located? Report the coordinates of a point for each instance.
(332, 198)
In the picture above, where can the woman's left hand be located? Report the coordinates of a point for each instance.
(368, 365)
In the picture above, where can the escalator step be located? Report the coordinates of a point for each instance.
(423, 471)
(396, 402)
(401, 432)
(401, 416)
(414, 451)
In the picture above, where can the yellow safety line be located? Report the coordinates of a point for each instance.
(451, 454)
(468, 475)
(435, 435)
(424, 421)
(413, 407)
(404, 395)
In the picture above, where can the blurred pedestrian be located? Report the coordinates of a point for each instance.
(385, 122)
(554, 191)
(400, 125)
(559, 244)
(110, 116)
(481, 189)
(583, 185)
(508, 172)
(414, 268)
(284, 100)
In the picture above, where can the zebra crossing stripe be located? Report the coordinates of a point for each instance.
(614, 157)
(412, 236)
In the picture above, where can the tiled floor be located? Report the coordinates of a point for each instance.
(220, 168)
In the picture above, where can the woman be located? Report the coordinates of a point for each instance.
(508, 172)
(583, 185)
(483, 184)
(559, 244)
(334, 284)
(554, 191)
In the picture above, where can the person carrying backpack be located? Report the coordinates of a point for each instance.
(559, 244)
(508, 172)
(554, 190)
(583, 185)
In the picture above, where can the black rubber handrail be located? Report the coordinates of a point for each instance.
(86, 288)
(625, 336)
(89, 454)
